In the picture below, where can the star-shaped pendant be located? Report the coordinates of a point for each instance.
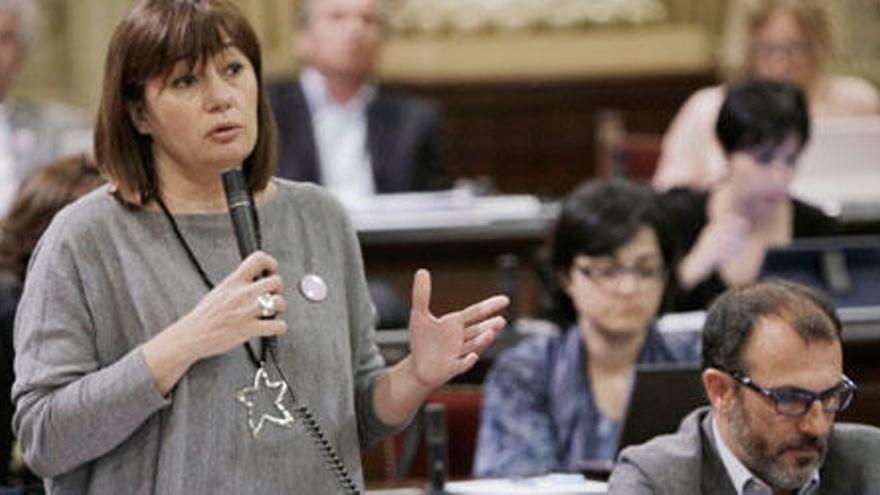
(262, 384)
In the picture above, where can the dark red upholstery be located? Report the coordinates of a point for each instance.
(462, 411)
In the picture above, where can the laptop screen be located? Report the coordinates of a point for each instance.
(662, 396)
(847, 269)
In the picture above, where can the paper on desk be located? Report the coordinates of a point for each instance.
(551, 484)
(452, 208)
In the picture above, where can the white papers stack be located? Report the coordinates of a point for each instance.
(551, 484)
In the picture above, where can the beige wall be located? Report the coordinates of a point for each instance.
(66, 64)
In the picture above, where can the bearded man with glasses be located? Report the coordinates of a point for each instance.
(773, 373)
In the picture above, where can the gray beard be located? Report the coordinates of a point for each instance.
(767, 465)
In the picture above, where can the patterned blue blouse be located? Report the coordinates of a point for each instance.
(538, 412)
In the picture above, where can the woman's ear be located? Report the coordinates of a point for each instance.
(137, 112)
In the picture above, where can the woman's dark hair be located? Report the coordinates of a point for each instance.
(762, 113)
(37, 201)
(148, 43)
(596, 219)
(732, 319)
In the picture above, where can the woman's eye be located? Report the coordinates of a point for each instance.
(184, 81)
(234, 68)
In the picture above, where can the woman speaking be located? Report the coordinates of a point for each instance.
(145, 358)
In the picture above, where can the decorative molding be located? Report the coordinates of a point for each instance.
(431, 17)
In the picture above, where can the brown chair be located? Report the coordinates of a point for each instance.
(620, 153)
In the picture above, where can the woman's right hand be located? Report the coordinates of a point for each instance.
(228, 316)
(720, 241)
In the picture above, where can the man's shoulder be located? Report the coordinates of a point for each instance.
(284, 90)
(405, 102)
(853, 461)
(30, 113)
(667, 462)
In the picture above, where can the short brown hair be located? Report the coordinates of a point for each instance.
(734, 316)
(148, 43)
(37, 201)
(747, 16)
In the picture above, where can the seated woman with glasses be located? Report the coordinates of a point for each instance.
(783, 40)
(555, 403)
(763, 126)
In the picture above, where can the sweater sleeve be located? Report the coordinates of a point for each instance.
(367, 362)
(70, 407)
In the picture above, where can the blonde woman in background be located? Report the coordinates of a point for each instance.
(786, 40)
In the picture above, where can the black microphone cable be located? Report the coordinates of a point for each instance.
(245, 223)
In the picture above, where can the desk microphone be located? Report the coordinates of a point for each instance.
(243, 214)
(436, 448)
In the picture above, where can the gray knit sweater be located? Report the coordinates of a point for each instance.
(106, 278)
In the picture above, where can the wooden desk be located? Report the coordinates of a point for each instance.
(462, 256)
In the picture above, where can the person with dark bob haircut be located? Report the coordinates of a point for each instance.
(763, 127)
(149, 357)
(773, 374)
(541, 411)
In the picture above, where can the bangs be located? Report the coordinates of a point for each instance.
(190, 32)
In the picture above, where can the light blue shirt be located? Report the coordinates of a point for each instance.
(742, 478)
(340, 137)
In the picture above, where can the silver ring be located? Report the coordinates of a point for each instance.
(267, 305)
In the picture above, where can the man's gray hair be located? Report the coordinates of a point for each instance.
(304, 10)
(28, 17)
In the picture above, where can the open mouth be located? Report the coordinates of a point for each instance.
(225, 132)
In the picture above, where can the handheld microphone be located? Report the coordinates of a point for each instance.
(241, 211)
(243, 214)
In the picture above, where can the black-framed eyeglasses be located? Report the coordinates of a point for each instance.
(610, 277)
(793, 401)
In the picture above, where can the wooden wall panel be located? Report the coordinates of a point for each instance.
(538, 137)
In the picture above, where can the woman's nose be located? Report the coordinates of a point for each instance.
(218, 93)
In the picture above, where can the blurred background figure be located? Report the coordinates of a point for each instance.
(785, 40)
(541, 411)
(763, 126)
(37, 201)
(337, 126)
(31, 133)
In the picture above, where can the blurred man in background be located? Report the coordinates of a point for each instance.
(337, 126)
(31, 133)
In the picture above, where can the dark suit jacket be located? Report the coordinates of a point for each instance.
(687, 462)
(403, 136)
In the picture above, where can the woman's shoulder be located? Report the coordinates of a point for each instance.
(849, 95)
(705, 102)
(78, 219)
(534, 351)
(309, 199)
(528, 364)
(811, 221)
(684, 201)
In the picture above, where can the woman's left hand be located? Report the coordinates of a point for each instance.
(444, 347)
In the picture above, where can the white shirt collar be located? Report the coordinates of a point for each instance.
(318, 97)
(743, 480)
